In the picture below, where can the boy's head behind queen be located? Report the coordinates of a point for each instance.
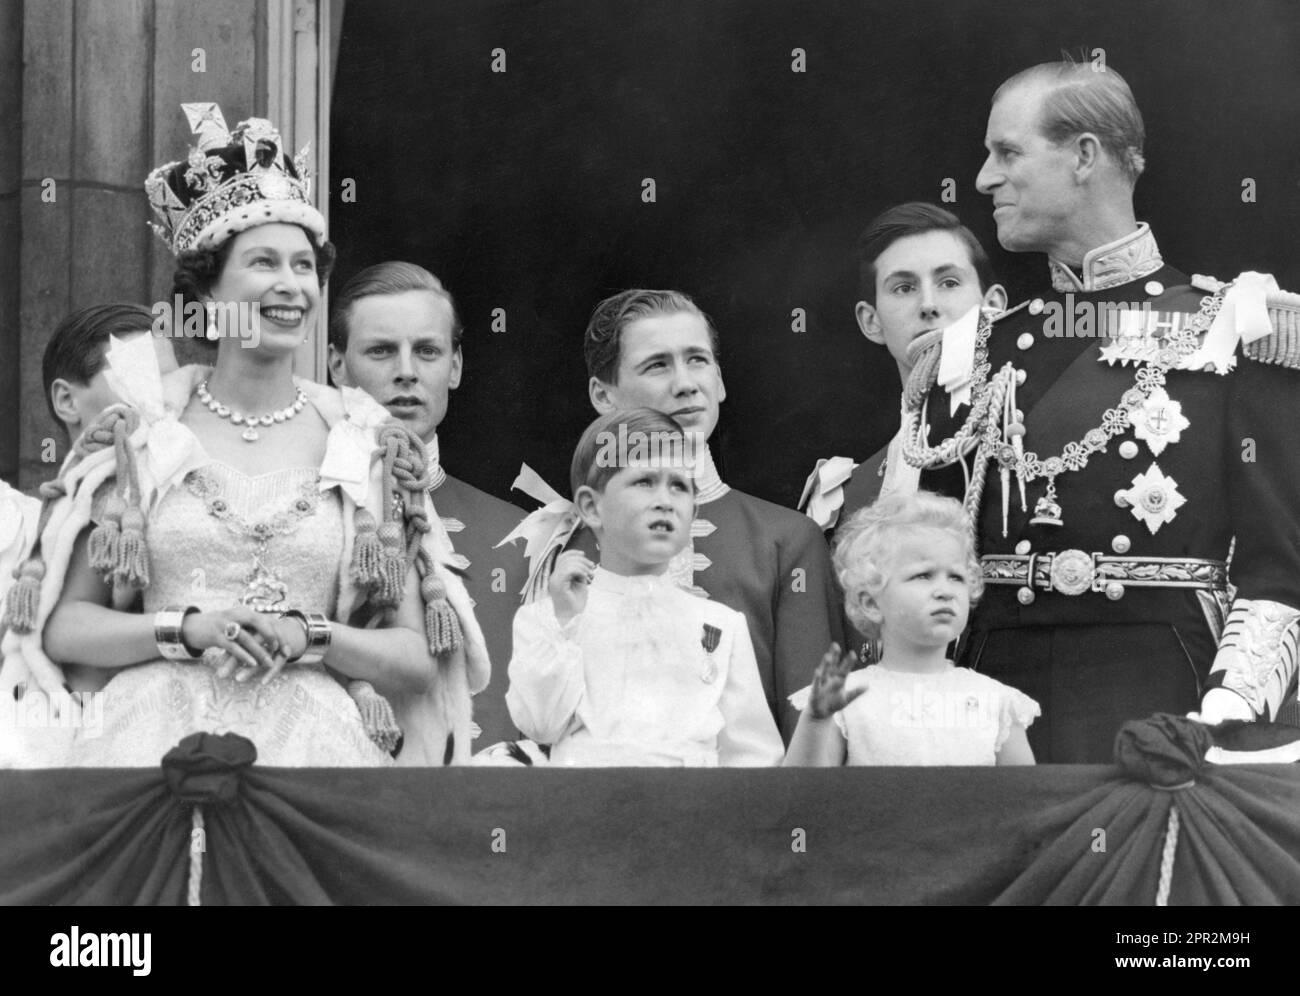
(633, 486)
(910, 575)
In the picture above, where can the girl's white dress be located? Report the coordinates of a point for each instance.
(955, 716)
(646, 675)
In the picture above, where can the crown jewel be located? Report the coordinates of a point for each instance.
(229, 182)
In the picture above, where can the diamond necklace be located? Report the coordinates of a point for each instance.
(251, 434)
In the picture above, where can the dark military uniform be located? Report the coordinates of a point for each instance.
(863, 487)
(860, 489)
(1227, 466)
(475, 521)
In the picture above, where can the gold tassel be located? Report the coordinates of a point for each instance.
(133, 554)
(25, 596)
(392, 571)
(367, 552)
(376, 715)
(441, 624)
(105, 538)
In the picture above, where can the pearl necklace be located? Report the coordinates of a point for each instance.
(251, 434)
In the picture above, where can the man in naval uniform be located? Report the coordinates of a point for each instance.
(1142, 439)
(394, 332)
(657, 349)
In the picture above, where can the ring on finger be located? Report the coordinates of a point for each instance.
(232, 630)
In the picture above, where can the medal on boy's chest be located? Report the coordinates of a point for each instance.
(710, 639)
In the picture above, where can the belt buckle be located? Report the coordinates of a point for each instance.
(1072, 572)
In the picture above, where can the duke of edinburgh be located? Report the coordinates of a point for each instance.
(1120, 437)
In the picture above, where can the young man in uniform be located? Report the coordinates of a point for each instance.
(394, 333)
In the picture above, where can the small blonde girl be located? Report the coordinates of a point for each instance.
(908, 568)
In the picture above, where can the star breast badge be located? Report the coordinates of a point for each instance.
(1160, 421)
(1153, 499)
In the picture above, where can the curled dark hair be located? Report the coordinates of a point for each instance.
(75, 352)
(913, 218)
(198, 269)
(603, 341)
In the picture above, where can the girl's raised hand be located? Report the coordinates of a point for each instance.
(828, 694)
(568, 585)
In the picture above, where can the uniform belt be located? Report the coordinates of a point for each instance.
(1072, 572)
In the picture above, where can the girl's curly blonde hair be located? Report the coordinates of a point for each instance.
(864, 543)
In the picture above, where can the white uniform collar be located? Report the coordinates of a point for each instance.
(433, 464)
(708, 483)
(1130, 258)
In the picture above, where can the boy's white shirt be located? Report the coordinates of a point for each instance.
(660, 710)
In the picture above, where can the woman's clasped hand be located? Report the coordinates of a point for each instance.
(241, 642)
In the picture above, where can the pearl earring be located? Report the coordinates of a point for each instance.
(213, 333)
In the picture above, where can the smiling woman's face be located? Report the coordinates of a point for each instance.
(274, 267)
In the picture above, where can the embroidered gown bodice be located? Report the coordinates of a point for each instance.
(221, 536)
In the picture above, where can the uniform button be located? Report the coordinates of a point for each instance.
(1154, 287)
(1128, 449)
(1021, 376)
(1114, 591)
(1121, 544)
(1025, 596)
(1022, 547)
(1121, 499)
(1025, 341)
(1036, 306)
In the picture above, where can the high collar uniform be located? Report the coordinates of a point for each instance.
(1211, 458)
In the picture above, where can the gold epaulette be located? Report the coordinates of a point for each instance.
(1282, 347)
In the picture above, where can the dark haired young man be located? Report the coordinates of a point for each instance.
(920, 271)
(657, 349)
(394, 333)
(72, 368)
(76, 392)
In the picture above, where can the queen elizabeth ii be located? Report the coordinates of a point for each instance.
(294, 585)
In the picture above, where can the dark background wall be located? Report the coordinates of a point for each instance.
(522, 190)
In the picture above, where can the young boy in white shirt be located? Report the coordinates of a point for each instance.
(617, 665)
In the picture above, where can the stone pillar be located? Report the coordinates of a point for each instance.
(100, 86)
(11, 174)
